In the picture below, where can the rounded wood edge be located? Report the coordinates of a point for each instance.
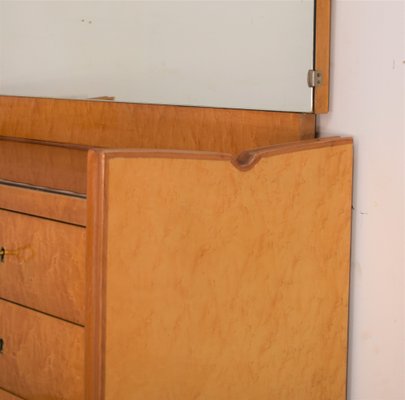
(245, 161)
(248, 159)
(95, 277)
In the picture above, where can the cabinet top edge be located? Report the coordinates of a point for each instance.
(243, 162)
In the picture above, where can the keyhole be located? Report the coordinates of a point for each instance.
(1, 345)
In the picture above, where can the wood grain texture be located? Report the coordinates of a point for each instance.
(322, 54)
(8, 396)
(149, 126)
(243, 161)
(96, 248)
(43, 204)
(230, 284)
(43, 357)
(49, 166)
(48, 271)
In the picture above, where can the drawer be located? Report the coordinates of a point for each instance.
(52, 205)
(42, 357)
(55, 166)
(8, 396)
(47, 271)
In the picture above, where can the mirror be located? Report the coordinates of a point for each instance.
(231, 54)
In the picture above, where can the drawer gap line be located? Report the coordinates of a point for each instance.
(41, 217)
(42, 189)
(42, 312)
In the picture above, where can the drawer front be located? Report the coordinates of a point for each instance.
(8, 396)
(42, 357)
(55, 167)
(51, 205)
(46, 268)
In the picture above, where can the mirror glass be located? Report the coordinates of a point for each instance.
(232, 54)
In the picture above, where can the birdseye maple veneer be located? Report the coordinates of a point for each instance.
(162, 252)
(152, 252)
(162, 261)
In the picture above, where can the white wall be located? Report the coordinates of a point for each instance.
(367, 102)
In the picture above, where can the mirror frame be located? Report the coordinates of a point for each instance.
(322, 54)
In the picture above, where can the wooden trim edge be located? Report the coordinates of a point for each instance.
(45, 143)
(244, 161)
(322, 54)
(95, 274)
(248, 159)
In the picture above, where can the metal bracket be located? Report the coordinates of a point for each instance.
(314, 78)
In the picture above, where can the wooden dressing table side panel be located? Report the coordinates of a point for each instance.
(194, 254)
(126, 125)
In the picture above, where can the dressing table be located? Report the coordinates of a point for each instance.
(173, 252)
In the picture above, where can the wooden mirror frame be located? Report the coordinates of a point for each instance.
(322, 54)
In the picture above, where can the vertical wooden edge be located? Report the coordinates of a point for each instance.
(95, 295)
(322, 54)
(350, 278)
